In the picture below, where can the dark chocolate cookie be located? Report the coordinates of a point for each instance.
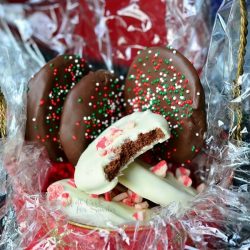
(164, 81)
(47, 91)
(90, 107)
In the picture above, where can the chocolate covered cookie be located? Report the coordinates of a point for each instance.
(47, 91)
(164, 81)
(90, 107)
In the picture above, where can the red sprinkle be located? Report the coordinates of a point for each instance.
(42, 102)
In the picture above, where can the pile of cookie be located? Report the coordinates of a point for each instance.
(105, 126)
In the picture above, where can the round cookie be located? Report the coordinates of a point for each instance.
(90, 107)
(164, 81)
(46, 94)
(103, 161)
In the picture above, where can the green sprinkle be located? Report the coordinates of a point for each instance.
(79, 100)
(166, 61)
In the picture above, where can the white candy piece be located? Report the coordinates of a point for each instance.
(82, 208)
(90, 175)
(159, 190)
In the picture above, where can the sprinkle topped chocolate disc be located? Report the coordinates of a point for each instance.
(91, 106)
(47, 91)
(164, 81)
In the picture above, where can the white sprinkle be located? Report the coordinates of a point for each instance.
(197, 134)
(170, 59)
(121, 77)
(198, 93)
(187, 91)
(150, 51)
(60, 159)
(174, 51)
(34, 119)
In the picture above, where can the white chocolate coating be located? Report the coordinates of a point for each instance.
(159, 190)
(89, 172)
(82, 208)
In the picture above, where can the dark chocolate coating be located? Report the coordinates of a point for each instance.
(46, 94)
(90, 107)
(164, 81)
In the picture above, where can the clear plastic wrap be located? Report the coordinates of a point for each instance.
(218, 218)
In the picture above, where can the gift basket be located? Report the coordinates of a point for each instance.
(110, 36)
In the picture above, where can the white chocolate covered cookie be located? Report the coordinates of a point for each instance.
(157, 189)
(106, 157)
(90, 210)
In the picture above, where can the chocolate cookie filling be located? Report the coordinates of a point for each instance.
(130, 149)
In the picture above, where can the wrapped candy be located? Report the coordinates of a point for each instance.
(218, 218)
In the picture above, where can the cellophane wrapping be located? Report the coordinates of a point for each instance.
(109, 35)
